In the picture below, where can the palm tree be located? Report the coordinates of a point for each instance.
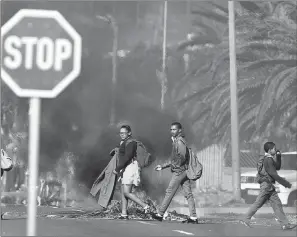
(113, 23)
(266, 35)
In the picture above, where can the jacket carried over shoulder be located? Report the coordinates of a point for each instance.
(179, 156)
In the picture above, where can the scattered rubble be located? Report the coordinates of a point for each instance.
(135, 212)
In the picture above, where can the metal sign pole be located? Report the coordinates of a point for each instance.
(36, 79)
(34, 126)
(1, 186)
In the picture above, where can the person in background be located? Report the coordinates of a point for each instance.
(267, 175)
(178, 164)
(128, 170)
(6, 165)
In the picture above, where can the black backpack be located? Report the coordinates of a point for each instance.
(143, 157)
(195, 168)
(262, 175)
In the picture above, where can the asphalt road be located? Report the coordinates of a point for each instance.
(101, 227)
(16, 226)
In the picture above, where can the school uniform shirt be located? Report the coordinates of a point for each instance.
(126, 154)
(179, 155)
(271, 167)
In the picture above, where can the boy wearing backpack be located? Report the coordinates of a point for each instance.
(129, 169)
(179, 165)
(267, 167)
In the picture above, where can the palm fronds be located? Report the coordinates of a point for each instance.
(267, 68)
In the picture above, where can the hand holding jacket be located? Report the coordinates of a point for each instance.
(114, 151)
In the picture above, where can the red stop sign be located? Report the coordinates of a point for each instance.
(41, 53)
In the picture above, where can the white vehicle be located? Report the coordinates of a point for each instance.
(250, 188)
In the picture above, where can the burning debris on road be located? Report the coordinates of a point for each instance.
(113, 211)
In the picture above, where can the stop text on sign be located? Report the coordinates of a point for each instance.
(43, 53)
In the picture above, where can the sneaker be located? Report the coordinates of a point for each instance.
(191, 221)
(245, 223)
(157, 216)
(123, 217)
(288, 227)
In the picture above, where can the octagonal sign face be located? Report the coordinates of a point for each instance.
(41, 53)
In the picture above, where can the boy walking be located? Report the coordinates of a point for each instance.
(266, 177)
(178, 164)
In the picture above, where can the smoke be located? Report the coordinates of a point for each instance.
(94, 138)
(148, 125)
(78, 120)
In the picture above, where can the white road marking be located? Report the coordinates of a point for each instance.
(146, 223)
(183, 232)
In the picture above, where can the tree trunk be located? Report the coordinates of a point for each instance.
(164, 67)
(157, 26)
(114, 71)
(137, 14)
(189, 13)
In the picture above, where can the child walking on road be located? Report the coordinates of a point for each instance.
(178, 163)
(131, 171)
(266, 177)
